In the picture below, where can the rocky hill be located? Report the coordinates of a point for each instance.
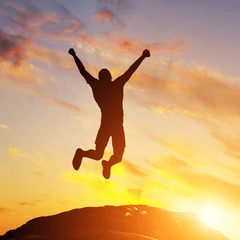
(135, 222)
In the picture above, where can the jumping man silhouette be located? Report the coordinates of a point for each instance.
(109, 96)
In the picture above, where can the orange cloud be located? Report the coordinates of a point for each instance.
(76, 24)
(26, 204)
(51, 57)
(31, 25)
(4, 210)
(25, 73)
(132, 47)
(107, 15)
(31, 203)
(28, 78)
(192, 91)
(104, 15)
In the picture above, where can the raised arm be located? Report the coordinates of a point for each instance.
(136, 64)
(88, 77)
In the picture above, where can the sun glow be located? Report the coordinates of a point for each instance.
(210, 215)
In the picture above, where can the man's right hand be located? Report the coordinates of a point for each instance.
(146, 53)
(72, 52)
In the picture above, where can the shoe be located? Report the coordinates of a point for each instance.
(106, 169)
(77, 160)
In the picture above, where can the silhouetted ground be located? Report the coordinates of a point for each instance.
(135, 222)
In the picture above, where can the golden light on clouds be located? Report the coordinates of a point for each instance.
(15, 152)
(4, 126)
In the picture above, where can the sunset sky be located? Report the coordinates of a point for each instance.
(182, 106)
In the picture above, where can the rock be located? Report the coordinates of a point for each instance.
(135, 222)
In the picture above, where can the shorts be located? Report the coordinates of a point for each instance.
(116, 131)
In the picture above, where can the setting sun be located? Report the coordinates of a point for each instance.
(210, 215)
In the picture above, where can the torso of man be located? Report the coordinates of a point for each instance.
(109, 97)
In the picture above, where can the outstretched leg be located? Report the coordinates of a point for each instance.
(93, 154)
(101, 143)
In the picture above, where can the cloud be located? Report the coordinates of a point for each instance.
(131, 46)
(171, 162)
(228, 137)
(63, 202)
(135, 194)
(133, 169)
(4, 210)
(204, 95)
(25, 74)
(37, 173)
(182, 176)
(4, 126)
(194, 91)
(26, 204)
(220, 188)
(109, 10)
(28, 78)
(32, 22)
(101, 187)
(107, 15)
(29, 24)
(11, 47)
(31, 203)
(15, 152)
(187, 150)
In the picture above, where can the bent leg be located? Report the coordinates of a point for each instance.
(95, 154)
(102, 138)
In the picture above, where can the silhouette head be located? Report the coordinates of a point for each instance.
(104, 75)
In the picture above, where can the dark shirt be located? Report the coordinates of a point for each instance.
(109, 97)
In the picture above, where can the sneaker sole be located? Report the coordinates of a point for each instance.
(77, 160)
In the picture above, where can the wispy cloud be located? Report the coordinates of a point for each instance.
(191, 90)
(185, 176)
(133, 47)
(37, 173)
(107, 15)
(111, 11)
(63, 202)
(31, 203)
(26, 204)
(4, 126)
(133, 169)
(4, 210)
(204, 95)
(101, 187)
(15, 152)
(135, 195)
(28, 78)
(16, 52)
